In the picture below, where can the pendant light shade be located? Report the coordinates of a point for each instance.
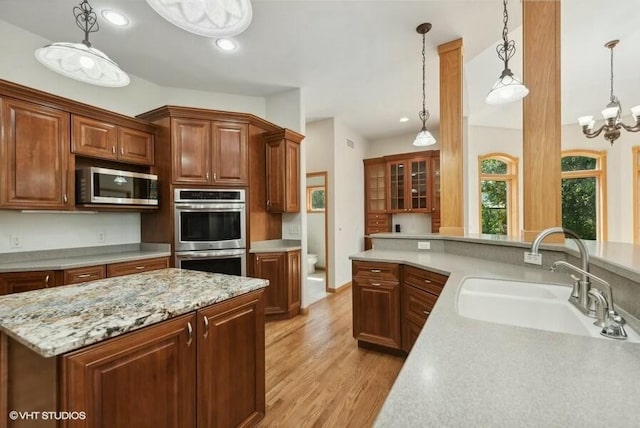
(80, 61)
(424, 137)
(508, 88)
(208, 18)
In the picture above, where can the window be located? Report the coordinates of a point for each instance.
(636, 194)
(315, 199)
(498, 194)
(584, 193)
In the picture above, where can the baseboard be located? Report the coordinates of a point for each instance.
(340, 289)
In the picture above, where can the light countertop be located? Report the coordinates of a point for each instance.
(463, 372)
(56, 320)
(275, 246)
(80, 257)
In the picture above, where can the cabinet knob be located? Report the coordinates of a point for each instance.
(206, 327)
(189, 334)
(46, 281)
(426, 312)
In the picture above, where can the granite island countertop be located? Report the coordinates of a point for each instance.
(463, 372)
(56, 320)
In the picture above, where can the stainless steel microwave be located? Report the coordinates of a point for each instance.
(96, 185)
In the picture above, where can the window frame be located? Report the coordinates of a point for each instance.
(635, 150)
(600, 174)
(310, 190)
(511, 178)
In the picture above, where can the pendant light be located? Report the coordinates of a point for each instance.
(81, 61)
(508, 88)
(424, 137)
(611, 114)
(208, 18)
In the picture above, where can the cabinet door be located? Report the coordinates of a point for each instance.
(398, 199)
(419, 186)
(276, 177)
(135, 146)
(141, 379)
(191, 141)
(272, 266)
(136, 266)
(93, 138)
(435, 193)
(376, 312)
(231, 366)
(376, 188)
(230, 154)
(293, 279)
(17, 282)
(292, 177)
(34, 155)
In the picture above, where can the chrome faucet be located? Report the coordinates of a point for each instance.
(580, 294)
(608, 319)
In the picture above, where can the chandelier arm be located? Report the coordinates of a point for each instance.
(632, 128)
(595, 133)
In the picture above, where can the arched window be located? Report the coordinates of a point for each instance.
(584, 194)
(498, 194)
(636, 194)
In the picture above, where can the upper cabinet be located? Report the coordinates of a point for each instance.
(409, 185)
(375, 186)
(283, 171)
(35, 167)
(435, 192)
(104, 140)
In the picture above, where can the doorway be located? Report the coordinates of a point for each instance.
(317, 237)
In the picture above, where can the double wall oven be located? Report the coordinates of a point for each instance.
(210, 227)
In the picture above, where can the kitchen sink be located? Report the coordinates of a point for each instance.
(527, 304)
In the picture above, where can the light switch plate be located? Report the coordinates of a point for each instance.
(424, 245)
(533, 259)
(15, 241)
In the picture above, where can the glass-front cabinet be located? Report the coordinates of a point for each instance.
(435, 192)
(409, 182)
(376, 188)
(397, 186)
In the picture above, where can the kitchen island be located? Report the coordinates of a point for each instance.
(464, 372)
(125, 352)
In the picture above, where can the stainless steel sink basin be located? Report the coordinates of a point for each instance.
(526, 304)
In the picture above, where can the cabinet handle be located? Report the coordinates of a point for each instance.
(215, 176)
(122, 150)
(426, 312)
(376, 284)
(206, 327)
(375, 271)
(84, 275)
(426, 281)
(207, 175)
(64, 198)
(46, 281)
(113, 149)
(189, 334)
(139, 267)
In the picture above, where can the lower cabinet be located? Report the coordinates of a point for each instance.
(205, 369)
(282, 269)
(17, 282)
(391, 303)
(136, 266)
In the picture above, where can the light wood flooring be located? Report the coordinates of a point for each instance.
(316, 376)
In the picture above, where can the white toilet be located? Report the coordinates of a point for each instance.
(312, 259)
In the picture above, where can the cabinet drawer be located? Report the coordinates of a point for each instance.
(375, 270)
(424, 279)
(84, 274)
(137, 266)
(378, 218)
(377, 229)
(417, 304)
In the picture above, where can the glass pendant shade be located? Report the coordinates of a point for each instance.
(507, 89)
(424, 138)
(635, 112)
(208, 18)
(80, 62)
(610, 112)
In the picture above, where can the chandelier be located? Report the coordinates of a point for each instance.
(81, 61)
(208, 18)
(508, 88)
(424, 137)
(611, 114)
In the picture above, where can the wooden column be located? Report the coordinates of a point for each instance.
(541, 118)
(451, 166)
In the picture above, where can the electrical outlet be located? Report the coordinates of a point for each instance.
(533, 259)
(101, 236)
(424, 245)
(15, 241)
(294, 229)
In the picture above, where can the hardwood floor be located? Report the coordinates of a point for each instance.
(316, 376)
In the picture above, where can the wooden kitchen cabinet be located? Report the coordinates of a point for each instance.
(36, 171)
(376, 304)
(17, 282)
(137, 266)
(435, 192)
(231, 363)
(282, 269)
(376, 217)
(283, 171)
(409, 185)
(206, 152)
(145, 378)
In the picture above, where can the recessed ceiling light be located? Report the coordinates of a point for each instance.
(404, 119)
(226, 44)
(116, 18)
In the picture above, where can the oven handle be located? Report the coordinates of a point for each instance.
(225, 254)
(210, 207)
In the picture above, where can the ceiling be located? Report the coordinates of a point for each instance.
(359, 61)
